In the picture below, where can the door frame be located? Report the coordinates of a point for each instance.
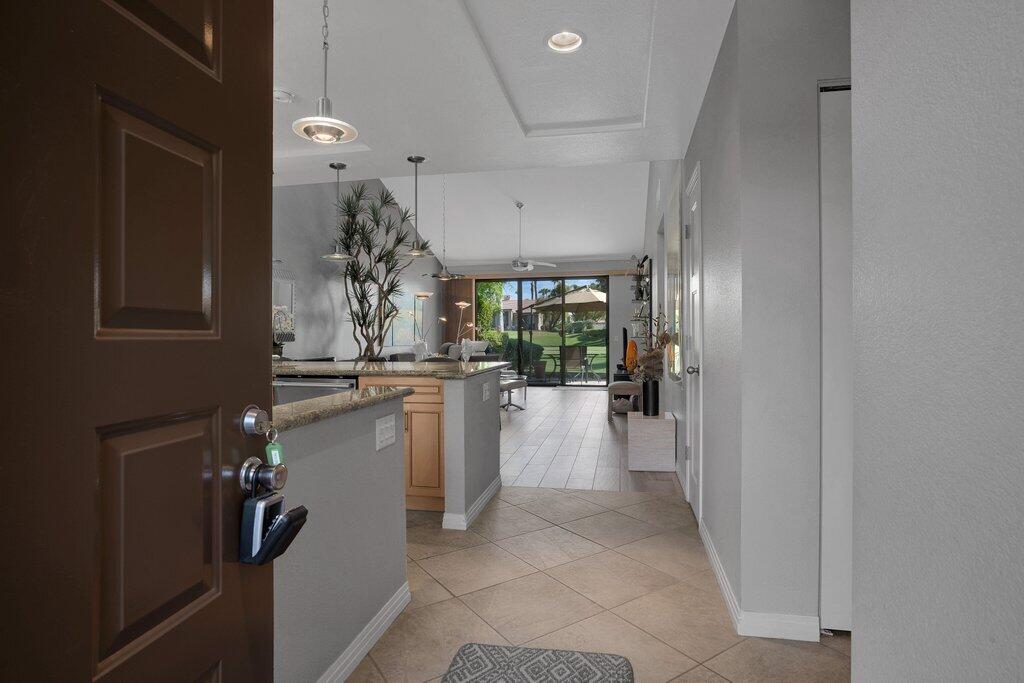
(835, 561)
(694, 477)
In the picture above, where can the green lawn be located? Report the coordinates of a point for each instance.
(594, 340)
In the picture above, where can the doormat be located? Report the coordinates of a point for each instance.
(491, 663)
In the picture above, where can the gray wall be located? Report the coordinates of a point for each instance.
(349, 559)
(785, 48)
(304, 229)
(471, 440)
(716, 145)
(756, 141)
(938, 135)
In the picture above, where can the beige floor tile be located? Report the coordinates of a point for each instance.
(420, 644)
(529, 607)
(495, 504)
(762, 659)
(517, 494)
(615, 499)
(426, 541)
(501, 523)
(704, 580)
(673, 552)
(664, 513)
(610, 579)
(611, 529)
(366, 672)
(561, 510)
(840, 642)
(425, 590)
(652, 660)
(469, 570)
(699, 674)
(692, 621)
(423, 518)
(549, 547)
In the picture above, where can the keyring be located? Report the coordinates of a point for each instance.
(272, 434)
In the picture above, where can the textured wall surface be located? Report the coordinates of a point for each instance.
(304, 229)
(938, 159)
(715, 144)
(785, 48)
(349, 559)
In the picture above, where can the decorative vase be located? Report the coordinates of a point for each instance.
(650, 389)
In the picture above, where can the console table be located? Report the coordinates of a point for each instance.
(651, 442)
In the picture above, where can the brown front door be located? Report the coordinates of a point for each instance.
(134, 292)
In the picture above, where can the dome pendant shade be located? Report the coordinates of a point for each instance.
(444, 275)
(324, 128)
(337, 256)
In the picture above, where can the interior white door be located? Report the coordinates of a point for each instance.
(694, 314)
(836, 359)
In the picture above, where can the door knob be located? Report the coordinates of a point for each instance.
(693, 370)
(256, 474)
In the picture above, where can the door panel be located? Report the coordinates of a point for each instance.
(694, 316)
(836, 360)
(137, 273)
(425, 441)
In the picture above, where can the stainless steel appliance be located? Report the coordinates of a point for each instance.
(289, 389)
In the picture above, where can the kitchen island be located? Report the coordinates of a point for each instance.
(342, 582)
(451, 428)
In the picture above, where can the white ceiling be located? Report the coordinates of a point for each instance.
(472, 85)
(580, 213)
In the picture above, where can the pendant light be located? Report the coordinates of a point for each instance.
(417, 249)
(337, 256)
(323, 127)
(444, 275)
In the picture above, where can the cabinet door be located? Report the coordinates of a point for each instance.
(424, 450)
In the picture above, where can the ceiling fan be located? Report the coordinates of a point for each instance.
(519, 264)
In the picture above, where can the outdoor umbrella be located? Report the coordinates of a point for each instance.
(582, 300)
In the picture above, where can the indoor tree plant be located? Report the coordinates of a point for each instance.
(372, 231)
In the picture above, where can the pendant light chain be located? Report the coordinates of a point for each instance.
(416, 208)
(327, 45)
(444, 220)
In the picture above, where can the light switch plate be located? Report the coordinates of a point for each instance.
(385, 431)
(487, 391)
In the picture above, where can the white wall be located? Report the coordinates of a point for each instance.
(938, 158)
(304, 229)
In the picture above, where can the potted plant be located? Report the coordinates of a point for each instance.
(372, 230)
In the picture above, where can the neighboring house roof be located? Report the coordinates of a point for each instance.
(510, 304)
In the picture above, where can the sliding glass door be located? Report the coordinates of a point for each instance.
(553, 330)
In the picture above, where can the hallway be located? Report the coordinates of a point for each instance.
(618, 572)
(564, 440)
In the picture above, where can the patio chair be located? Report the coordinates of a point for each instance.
(577, 363)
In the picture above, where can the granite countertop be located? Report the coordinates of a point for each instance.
(301, 413)
(444, 370)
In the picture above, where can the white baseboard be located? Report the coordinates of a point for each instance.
(462, 522)
(345, 664)
(760, 624)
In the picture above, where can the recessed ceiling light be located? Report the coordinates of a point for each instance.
(565, 41)
(282, 95)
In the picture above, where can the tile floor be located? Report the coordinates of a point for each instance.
(564, 440)
(599, 571)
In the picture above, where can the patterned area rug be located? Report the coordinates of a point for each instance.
(493, 663)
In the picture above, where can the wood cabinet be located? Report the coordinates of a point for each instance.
(424, 438)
